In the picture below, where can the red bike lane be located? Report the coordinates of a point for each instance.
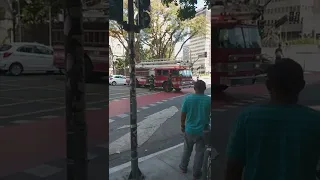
(28, 145)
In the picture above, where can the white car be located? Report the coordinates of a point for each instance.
(17, 58)
(117, 80)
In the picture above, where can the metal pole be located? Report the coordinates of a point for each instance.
(19, 15)
(135, 173)
(50, 27)
(77, 163)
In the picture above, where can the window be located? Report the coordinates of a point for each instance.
(165, 72)
(240, 37)
(5, 47)
(231, 38)
(26, 49)
(158, 72)
(185, 73)
(251, 37)
(42, 50)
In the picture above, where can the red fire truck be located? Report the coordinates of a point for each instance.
(235, 48)
(96, 49)
(161, 68)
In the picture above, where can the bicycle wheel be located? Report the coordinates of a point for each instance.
(206, 172)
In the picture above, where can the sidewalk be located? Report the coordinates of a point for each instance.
(157, 166)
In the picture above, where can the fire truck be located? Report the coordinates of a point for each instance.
(235, 46)
(161, 69)
(96, 49)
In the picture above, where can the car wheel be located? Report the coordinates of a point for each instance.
(114, 83)
(15, 69)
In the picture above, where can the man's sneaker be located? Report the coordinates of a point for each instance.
(197, 176)
(183, 170)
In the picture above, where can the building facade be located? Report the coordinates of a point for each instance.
(201, 44)
(309, 13)
(185, 53)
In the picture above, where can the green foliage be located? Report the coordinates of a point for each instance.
(166, 30)
(37, 12)
(120, 64)
(302, 41)
(187, 8)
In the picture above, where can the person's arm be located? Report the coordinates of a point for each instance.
(236, 151)
(184, 109)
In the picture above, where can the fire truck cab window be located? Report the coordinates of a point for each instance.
(175, 73)
(240, 37)
(165, 72)
(159, 72)
(185, 73)
(231, 38)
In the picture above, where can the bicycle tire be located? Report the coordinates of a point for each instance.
(206, 167)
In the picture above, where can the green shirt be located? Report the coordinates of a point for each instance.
(198, 108)
(277, 142)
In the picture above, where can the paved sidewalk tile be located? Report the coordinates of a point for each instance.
(159, 167)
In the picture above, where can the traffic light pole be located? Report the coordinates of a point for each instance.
(77, 164)
(135, 173)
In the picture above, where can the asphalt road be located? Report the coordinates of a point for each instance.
(227, 107)
(35, 97)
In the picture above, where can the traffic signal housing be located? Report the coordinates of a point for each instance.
(261, 24)
(116, 10)
(144, 18)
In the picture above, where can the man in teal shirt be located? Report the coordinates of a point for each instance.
(279, 140)
(195, 116)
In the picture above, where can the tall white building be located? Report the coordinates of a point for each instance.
(309, 15)
(201, 44)
(185, 53)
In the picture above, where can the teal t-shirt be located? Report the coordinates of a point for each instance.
(277, 142)
(198, 108)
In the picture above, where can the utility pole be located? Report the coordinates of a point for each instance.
(77, 163)
(135, 171)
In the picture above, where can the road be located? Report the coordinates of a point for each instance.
(159, 127)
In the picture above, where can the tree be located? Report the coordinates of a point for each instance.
(37, 11)
(120, 65)
(165, 32)
(187, 8)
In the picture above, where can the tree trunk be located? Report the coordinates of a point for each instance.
(77, 165)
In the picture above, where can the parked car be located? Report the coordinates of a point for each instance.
(17, 58)
(117, 80)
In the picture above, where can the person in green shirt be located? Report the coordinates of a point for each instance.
(279, 140)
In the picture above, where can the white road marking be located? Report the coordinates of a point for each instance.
(122, 115)
(48, 117)
(219, 110)
(22, 121)
(145, 158)
(127, 126)
(148, 126)
(43, 171)
(159, 102)
(145, 107)
(48, 110)
(165, 100)
(111, 120)
(138, 111)
(152, 105)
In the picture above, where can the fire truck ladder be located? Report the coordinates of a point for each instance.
(153, 63)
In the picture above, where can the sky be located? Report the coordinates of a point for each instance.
(200, 5)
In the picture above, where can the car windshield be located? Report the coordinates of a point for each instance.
(240, 37)
(185, 73)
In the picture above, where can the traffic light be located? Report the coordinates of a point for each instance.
(291, 16)
(116, 10)
(297, 17)
(261, 24)
(144, 18)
